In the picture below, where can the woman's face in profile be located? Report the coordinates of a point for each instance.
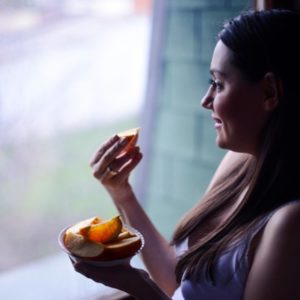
(236, 104)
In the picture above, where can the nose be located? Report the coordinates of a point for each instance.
(208, 99)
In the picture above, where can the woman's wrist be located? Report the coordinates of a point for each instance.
(122, 196)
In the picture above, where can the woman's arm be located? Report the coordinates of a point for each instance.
(275, 271)
(158, 256)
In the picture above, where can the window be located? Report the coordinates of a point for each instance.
(72, 73)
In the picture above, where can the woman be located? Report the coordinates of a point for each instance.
(241, 241)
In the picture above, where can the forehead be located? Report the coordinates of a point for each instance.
(220, 63)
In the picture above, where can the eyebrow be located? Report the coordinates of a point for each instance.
(213, 71)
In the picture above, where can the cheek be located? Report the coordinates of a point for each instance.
(238, 104)
(241, 116)
(227, 107)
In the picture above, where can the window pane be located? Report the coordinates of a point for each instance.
(72, 73)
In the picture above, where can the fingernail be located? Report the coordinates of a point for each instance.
(115, 137)
(124, 141)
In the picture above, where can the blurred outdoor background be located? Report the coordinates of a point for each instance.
(72, 73)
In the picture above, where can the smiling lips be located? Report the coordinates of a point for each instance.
(218, 122)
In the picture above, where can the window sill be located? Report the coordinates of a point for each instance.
(54, 278)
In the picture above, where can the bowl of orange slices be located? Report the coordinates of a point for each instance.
(101, 242)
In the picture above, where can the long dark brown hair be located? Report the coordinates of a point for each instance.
(261, 42)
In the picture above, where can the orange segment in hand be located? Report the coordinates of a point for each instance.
(104, 232)
(133, 135)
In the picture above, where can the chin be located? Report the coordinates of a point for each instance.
(227, 146)
(235, 148)
(222, 144)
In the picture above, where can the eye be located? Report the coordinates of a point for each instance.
(215, 84)
(211, 82)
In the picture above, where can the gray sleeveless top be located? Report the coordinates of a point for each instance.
(231, 271)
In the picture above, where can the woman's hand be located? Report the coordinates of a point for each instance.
(121, 277)
(112, 167)
(135, 282)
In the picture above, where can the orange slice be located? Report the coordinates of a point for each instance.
(122, 248)
(133, 134)
(78, 226)
(104, 232)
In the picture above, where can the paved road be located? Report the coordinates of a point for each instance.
(73, 72)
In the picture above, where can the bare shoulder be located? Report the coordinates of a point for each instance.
(275, 271)
(285, 220)
(281, 233)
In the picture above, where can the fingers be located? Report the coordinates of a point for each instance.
(87, 271)
(80, 267)
(104, 275)
(106, 154)
(121, 161)
(103, 149)
(135, 158)
(92, 272)
(123, 165)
